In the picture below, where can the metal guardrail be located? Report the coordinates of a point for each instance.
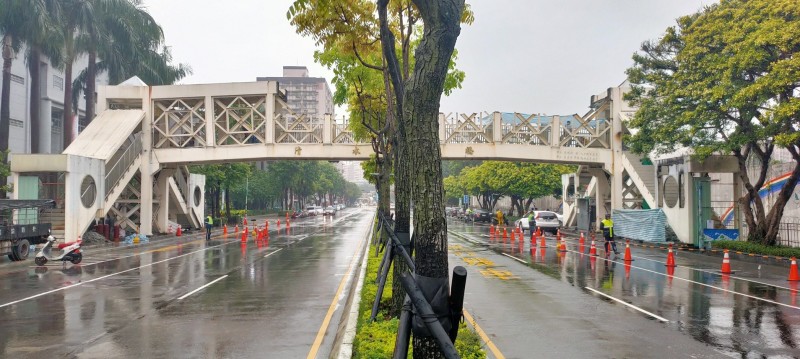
(115, 170)
(414, 296)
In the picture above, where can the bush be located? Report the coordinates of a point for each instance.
(757, 248)
(376, 339)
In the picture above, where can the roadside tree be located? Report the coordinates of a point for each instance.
(725, 81)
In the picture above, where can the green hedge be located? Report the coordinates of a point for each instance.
(757, 248)
(376, 339)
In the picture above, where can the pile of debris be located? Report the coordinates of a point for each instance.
(93, 237)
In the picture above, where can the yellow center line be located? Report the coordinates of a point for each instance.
(324, 327)
(482, 334)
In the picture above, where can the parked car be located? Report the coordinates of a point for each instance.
(546, 220)
(329, 211)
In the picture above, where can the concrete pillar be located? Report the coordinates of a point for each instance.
(146, 208)
(442, 128)
(269, 128)
(46, 127)
(163, 199)
(497, 127)
(327, 129)
(209, 118)
(555, 131)
(616, 148)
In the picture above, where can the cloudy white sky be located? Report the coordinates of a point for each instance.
(533, 56)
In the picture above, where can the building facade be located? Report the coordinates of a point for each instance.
(51, 105)
(305, 95)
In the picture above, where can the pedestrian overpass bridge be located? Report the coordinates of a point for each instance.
(131, 161)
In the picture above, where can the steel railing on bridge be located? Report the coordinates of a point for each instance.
(116, 169)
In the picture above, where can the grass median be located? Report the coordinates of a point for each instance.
(757, 248)
(376, 339)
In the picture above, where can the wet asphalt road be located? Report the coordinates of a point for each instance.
(188, 298)
(543, 303)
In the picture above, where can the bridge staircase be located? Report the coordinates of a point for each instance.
(638, 182)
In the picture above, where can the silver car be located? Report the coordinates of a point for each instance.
(546, 220)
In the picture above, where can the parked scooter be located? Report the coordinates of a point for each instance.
(70, 252)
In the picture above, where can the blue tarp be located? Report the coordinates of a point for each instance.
(647, 225)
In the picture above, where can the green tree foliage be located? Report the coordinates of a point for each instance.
(220, 178)
(291, 185)
(725, 81)
(522, 182)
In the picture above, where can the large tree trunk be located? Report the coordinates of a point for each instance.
(776, 212)
(91, 77)
(34, 68)
(755, 218)
(402, 225)
(5, 101)
(5, 110)
(421, 99)
(68, 115)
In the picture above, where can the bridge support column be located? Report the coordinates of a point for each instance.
(163, 199)
(146, 174)
(602, 189)
(616, 148)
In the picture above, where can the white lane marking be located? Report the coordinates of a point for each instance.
(691, 281)
(109, 275)
(273, 253)
(203, 287)
(629, 305)
(515, 258)
(699, 283)
(712, 272)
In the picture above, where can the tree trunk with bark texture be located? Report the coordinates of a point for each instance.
(91, 77)
(34, 68)
(421, 99)
(68, 116)
(402, 224)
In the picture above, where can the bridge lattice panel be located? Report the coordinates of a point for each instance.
(293, 128)
(240, 120)
(528, 130)
(467, 128)
(179, 123)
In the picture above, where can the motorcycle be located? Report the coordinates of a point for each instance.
(70, 252)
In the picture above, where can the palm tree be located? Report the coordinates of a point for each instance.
(126, 39)
(22, 21)
(43, 41)
(77, 16)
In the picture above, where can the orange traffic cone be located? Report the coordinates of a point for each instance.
(245, 222)
(542, 242)
(505, 233)
(225, 229)
(244, 235)
(562, 245)
(179, 232)
(793, 273)
(628, 257)
(670, 257)
(279, 222)
(580, 241)
(593, 249)
(236, 229)
(513, 235)
(491, 229)
(726, 264)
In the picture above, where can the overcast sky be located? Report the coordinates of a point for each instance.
(532, 56)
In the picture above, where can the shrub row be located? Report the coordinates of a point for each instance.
(757, 248)
(376, 339)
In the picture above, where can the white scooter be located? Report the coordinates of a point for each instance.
(70, 252)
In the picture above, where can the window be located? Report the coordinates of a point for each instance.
(18, 79)
(58, 82)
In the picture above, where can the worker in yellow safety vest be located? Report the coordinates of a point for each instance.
(607, 226)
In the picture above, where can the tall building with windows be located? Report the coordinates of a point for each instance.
(304, 94)
(50, 102)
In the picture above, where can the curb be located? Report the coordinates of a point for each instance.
(347, 332)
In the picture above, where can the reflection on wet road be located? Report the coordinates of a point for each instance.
(753, 312)
(187, 299)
